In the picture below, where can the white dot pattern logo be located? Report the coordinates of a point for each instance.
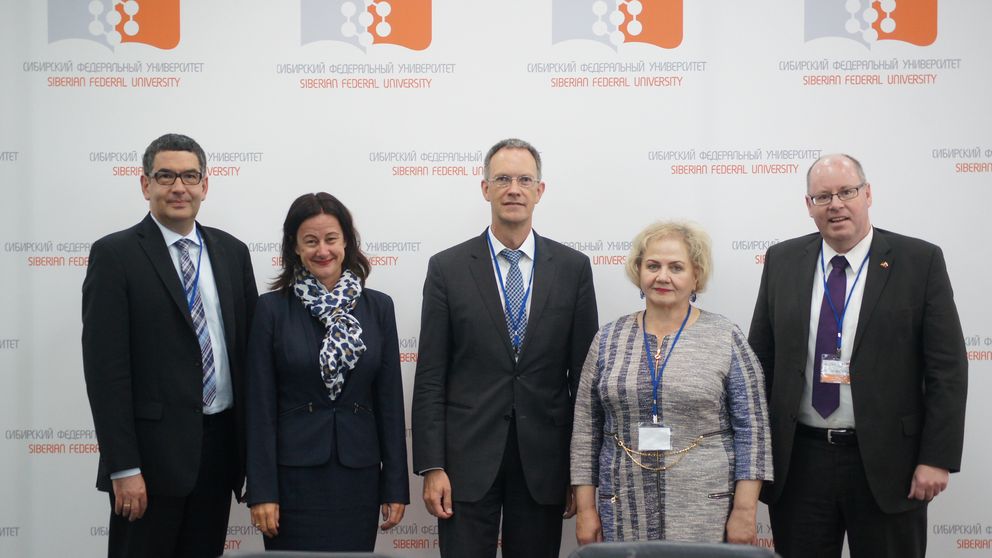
(870, 15)
(360, 28)
(113, 19)
(616, 19)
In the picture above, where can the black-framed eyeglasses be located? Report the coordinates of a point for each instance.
(845, 194)
(168, 177)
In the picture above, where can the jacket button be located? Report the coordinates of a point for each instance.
(507, 417)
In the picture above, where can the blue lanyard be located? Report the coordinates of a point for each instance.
(517, 317)
(191, 294)
(839, 318)
(656, 379)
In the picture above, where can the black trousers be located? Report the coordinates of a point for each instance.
(827, 495)
(530, 530)
(194, 526)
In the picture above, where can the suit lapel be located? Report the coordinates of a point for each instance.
(806, 270)
(544, 277)
(481, 267)
(875, 281)
(219, 264)
(151, 241)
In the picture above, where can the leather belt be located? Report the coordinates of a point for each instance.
(832, 436)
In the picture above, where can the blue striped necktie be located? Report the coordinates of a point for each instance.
(199, 320)
(514, 298)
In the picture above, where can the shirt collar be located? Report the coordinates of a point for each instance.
(855, 255)
(527, 247)
(171, 237)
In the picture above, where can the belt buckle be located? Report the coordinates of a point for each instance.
(830, 435)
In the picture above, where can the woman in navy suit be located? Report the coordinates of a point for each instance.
(326, 432)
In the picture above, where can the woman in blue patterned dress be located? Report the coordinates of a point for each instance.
(671, 423)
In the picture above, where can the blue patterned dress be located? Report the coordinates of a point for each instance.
(712, 396)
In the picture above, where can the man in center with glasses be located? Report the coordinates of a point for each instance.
(507, 319)
(858, 335)
(166, 308)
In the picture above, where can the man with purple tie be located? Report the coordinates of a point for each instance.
(866, 374)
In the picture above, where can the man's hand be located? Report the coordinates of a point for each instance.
(130, 497)
(265, 517)
(437, 494)
(569, 503)
(928, 482)
(392, 514)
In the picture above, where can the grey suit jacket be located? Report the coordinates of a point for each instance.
(469, 387)
(909, 370)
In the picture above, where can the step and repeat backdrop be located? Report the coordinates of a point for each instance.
(643, 110)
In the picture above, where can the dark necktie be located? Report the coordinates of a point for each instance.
(514, 298)
(199, 321)
(826, 397)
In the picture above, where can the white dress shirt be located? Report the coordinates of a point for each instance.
(843, 417)
(526, 265)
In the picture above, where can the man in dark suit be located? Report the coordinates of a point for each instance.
(865, 363)
(166, 309)
(507, 319)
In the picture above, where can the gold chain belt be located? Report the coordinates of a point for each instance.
(637, 456)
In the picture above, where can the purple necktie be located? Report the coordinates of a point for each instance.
(826, 397)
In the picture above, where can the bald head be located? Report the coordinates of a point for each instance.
(834, 159)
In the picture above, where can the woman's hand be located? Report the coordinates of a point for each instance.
(392, 514)
(588, 527)
(266, 517)
(742, 527)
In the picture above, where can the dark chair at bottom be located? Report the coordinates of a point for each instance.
(669, 549)
(296, 554)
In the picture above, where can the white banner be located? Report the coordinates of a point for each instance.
(644, 110)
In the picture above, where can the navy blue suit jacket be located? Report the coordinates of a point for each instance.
(291, 419)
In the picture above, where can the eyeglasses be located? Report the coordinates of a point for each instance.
(846, 194)
(168, 177)
(503, 181)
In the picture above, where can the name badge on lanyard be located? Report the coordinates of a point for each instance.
(833, 370)
(655, 436)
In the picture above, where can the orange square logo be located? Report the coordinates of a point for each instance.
(870, 21)
(114, 22)
(364, 23)
(618, 22)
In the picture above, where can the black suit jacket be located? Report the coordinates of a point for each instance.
(468, 386)
(292, 421)
(909, 370)
(141, 357)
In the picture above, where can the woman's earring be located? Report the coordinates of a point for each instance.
(642, 295)
(692, 297)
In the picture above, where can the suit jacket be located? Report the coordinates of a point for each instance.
(141, 357)
(291, 419)
(468, 385)
(909, 370)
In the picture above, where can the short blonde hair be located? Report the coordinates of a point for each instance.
(696, 240)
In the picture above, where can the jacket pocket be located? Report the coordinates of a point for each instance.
(720, 495)
(308, 407)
